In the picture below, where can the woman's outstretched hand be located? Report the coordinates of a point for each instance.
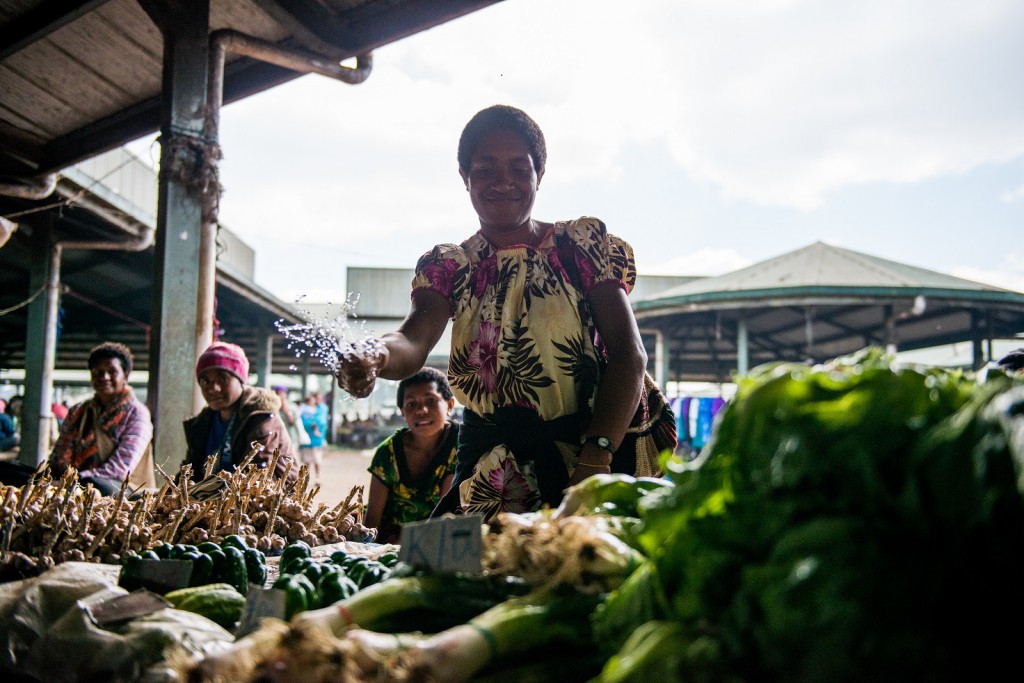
(358, 370)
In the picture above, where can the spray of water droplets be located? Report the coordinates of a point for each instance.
(330, 337)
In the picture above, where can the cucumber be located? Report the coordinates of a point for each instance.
(218, 602)
(235, 572)
(207, 547)
(255, 566)
(220, 563)
(202, 571)
(176, 596)
(234, 541)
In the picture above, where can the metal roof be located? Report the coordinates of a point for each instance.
(80, 78)
(85, 76)
(821, 268)
(108, 294)
(817, 303)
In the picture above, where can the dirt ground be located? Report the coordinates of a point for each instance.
(342, 469)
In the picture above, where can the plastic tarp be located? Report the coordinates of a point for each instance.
(48, 630)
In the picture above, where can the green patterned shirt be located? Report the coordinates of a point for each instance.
(408, 500)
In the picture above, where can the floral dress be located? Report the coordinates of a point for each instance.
(523, 345)
(410, 500)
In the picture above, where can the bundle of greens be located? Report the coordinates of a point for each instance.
(856, 520)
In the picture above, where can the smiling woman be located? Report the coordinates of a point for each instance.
(106, 437)
(546, 355)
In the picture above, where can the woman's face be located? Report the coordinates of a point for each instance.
(425, 410)
(502, 182)
(108, 379)
(220, 388)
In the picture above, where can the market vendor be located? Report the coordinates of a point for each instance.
(108, 436)
(236, 415)
(546, 356)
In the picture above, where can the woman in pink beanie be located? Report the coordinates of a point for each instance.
(235, 416)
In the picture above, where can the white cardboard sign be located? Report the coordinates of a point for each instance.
(448, 544)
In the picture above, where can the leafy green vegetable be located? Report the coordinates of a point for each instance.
(857, 520)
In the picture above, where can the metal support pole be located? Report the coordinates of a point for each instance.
(742, 347)
(40, 351)
(977, 354)
(988, 335)
(264, 361)
(891, 345)
(660, 359)
(180, 313)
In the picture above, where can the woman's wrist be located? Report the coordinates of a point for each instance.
(592, 455)
(593, 466)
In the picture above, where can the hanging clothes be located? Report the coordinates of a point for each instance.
(696, 417)
(680, 406)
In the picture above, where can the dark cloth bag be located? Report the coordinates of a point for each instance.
(652, 430)
(14, 473)
(527, 436)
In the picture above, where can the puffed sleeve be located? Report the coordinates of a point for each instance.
(444, 270)
(601, 256)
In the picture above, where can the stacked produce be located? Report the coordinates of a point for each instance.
(856, 520)
(49, 521)
(231, 561)
(310, 582)
(542, 579)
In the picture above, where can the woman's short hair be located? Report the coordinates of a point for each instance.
(502, 117)
(426, 376)
(108, 350)
(1013, 361)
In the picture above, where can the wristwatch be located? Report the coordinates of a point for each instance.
(602, 442)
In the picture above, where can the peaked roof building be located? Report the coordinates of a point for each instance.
(817, 303)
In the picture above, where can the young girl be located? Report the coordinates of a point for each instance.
(236, 415)
(414, 467)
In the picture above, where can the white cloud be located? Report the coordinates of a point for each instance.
(775, 102)
(778, 103)
(716, 261)
(1008, 274)
(1011, 196)
(786, 105)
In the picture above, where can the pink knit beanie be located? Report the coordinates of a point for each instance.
(224, 356)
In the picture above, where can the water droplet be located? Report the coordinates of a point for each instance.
(329, 337)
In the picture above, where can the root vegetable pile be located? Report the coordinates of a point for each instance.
(48, 521)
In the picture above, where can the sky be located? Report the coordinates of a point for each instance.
(710, 134)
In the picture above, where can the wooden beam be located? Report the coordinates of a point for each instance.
(40, 21)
